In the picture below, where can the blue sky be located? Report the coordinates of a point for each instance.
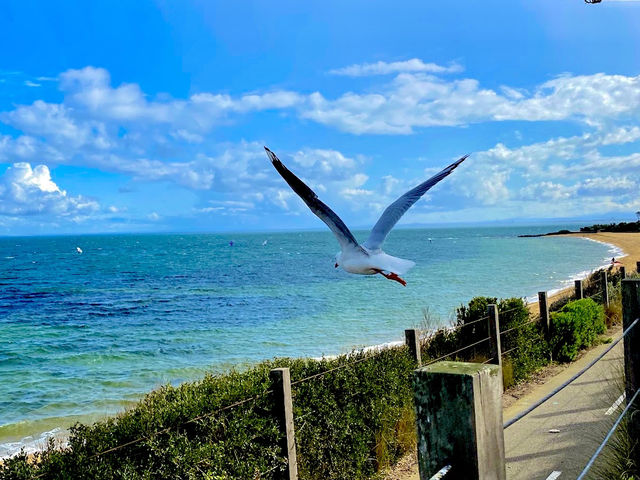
(151, 116)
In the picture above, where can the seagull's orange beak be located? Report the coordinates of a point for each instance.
(335, 266)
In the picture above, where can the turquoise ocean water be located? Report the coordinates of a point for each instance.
(83, 335)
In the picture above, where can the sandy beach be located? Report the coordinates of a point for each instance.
(629, 243)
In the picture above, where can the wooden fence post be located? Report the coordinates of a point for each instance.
(543, 303)
(605, 289)
(631, 311)
(623, 272)
(494, 334)
(412, 339)
(579, 290)
(459, 420)
(281, 381)
(638, 267)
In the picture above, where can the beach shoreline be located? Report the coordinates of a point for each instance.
(627, 244)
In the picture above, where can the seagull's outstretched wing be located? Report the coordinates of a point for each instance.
(398, 208)
(323, 212)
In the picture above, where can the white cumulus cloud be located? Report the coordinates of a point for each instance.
(31, 191)
(414, 100)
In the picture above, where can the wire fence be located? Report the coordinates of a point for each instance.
(247, 400)
(504, 312)
(440, 474)
(510, 350)
(466, 324)
(573, 378)
(453, 328)
(339, 367)
(182, 424)
(594, 295)
(450, 354)
(604, 443)
(520, 325)
(198, 418)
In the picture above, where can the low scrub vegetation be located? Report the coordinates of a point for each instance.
(350, 423)
(574, 327)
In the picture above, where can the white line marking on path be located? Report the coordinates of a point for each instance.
(616, 404)
(554, 475)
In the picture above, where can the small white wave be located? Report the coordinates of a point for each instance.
(383, 346)
(32, 443)
(370, 348)
(614, 250)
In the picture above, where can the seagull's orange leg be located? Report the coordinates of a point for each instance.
(393, 276)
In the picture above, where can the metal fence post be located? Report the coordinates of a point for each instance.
(543, 303)
(459, 420)
(638, 267)
(494, 334)
(631, 311)
(412, 339)
(579, 290)
(605, 289)
(623, 273)
(281, 381)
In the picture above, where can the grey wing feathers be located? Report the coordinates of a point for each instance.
(394, 212)
(322, 211)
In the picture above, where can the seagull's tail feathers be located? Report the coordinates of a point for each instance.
(396, 265)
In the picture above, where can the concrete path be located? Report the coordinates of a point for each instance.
(556, 440)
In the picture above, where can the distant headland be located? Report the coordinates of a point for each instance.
(622, 227)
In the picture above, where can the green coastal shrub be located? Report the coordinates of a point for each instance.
(354, 421)
(349, 423)
(576, 326)
(529, 349)
(526, 338)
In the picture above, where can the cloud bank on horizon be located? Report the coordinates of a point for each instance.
(83, 153)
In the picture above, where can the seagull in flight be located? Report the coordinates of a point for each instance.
(367, 258)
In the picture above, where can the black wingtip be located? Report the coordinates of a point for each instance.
(459, 161)
(272, 156)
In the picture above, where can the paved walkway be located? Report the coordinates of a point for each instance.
(556, 440)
